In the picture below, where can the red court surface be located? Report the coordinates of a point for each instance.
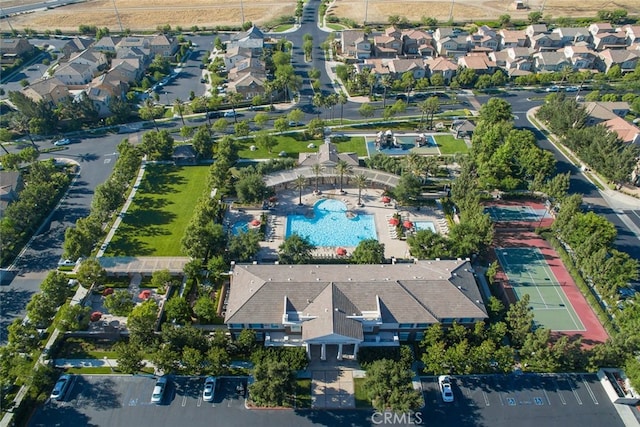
(595, 332)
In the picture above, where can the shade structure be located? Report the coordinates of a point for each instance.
(255, 223)
(144, 294)
(95, 316)
(107, 291)
(394, 221)
(341, 251)
(408, 224)
(386, 199)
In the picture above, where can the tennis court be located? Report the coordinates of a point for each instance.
(529, 273)
(516, 213)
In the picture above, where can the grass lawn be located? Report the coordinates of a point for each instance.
(101, 370)
(160, 212)
(360, 394)
(281, 28)
(77, 348)
(354, 144)
(448, 144)
(292, 144)
(303, 393)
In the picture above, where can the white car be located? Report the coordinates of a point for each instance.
(229, 113)
(444, 381)
(209, 389)
(63, 141)
(61, 387)
(553, 89)
(158, 390)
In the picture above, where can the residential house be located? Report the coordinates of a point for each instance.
(625, 59)
(107, 44)
(545, 42)
(598, 112)
(378, 66)
(51, 91)
(14, 48)
(11, 184)
(573, 35)
(335, 309)
(253, 66)
(252, 39)
(600, 27)
(417, 42)
(75, 45)
(397, 67)
(163, 45)
(235, 54)
(389, 44)
(443, 66)
(514, 60)
(633, 34)
(74, 74)
(93, 58)
(512, 38)
(129, 42)
(550, 61)
(582, 57)
(355, 44)
(249, 85)
(627, 132)
(128, 70)
(103, 89)
(535, 29)
(614, 40)
(479, 62)
(141, 54)
(485, 37)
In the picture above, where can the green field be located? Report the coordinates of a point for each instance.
(352, 144)
(156, 220)
(292, 144)
(448, 144)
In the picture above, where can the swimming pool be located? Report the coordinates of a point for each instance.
(239, 227)
(425, 225)
(330, 225)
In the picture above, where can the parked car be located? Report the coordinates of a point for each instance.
(229, 113)
(159, 389)
(552, 89)
(294, 124)
(61, 387)
(209, 389)
(214, 114)
(571, 89)
(444, 381)
(63, 141)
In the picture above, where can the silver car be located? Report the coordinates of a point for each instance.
(209, 389)
(61, 387)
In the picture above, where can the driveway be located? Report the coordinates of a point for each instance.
(332, 389)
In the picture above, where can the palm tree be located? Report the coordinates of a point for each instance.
(385, 82)
(148, 112)
(178, 107)
(361, 181)
(343, 168)
(300, 183)
(234, 99)
(317, 170)
(21, 124)
(414, 164)
(342, 99)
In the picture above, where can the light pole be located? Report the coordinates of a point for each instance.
(242, 11)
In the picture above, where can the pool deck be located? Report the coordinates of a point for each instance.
(287, 204)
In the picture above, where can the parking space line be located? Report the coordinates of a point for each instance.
(184, 400)
(575, 392)
(486, 399)
(586, 384)
(546, 396)
(199, 402)
(555, 382)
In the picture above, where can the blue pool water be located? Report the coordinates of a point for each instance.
(239, 227)
(425, 225)
(330, 225)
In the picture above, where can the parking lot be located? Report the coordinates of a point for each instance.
(522, 400)
(563, 400)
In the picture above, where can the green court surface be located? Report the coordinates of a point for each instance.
(529, 273)
(516, 213)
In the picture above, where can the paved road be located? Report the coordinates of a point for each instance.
(49, 4)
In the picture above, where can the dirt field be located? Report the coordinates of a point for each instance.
(148, 14)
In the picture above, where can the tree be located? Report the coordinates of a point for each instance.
(157, 145)
(504, 20)
(368, 251)
(177, 310)
(178, 108)
(388, 385)
(241, 128)
(129, 357)
(408, 188)
(317, 169)
(244, 246)
(534, 17)
(150, 111)
(366, 110)
(425, 244)
(300, 184)
(519, 320)
(119, 303)
(40, 310)
(430, 107)
(205, 309)
(343, 168)
(295, 115)
(218, 360)
(496, 110)
(23, 336)
(203, 143)
(295, 250)
(360, 180)
(91, 273)
(260, 119)
(55, 286)
(74, 318)
(246, 341)
(265, 140)
(274, 383)
(141, 323)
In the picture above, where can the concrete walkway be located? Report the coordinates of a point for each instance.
(332, 389)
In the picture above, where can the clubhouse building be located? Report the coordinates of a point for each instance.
(333, 309)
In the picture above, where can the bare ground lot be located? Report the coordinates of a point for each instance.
(149, 14)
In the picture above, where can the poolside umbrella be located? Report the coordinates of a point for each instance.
(255, 223)
(95, 316)
(144, 294)
(386, 199)
(408, 224)
(341, 251)
(107, 291)
(394, 221)
(273, 199)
